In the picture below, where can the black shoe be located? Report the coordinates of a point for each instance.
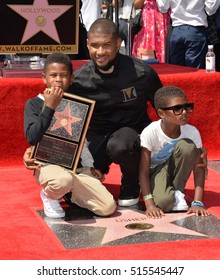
(129, 194)
(67, 198)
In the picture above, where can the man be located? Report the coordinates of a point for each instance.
(121, 86)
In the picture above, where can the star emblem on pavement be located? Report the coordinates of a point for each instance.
(115, 226)
(65, 119)
(40, 16)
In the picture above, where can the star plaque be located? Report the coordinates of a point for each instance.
(63, 141)
(39, 26)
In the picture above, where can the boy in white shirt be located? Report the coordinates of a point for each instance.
(170, 150)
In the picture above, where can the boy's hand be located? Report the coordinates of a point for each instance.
(98, 174)
(28, 161)
(154, 212)
(53, 97)
(199, 211)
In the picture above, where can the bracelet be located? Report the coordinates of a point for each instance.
(148, 196)
(197, 203)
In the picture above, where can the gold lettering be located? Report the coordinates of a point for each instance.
(40, 10)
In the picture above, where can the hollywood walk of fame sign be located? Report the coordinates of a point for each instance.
(64, 139)
(39, 26)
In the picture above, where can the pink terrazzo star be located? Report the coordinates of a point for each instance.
(115, 225)
(40, 16)
(65, 119)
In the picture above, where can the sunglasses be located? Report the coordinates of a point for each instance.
(178, 109)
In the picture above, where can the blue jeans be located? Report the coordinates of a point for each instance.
(188, 46)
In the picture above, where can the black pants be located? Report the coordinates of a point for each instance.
(123, 148)
(123, 32)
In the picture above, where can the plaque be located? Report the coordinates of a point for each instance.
(140, 226)
(63, 141)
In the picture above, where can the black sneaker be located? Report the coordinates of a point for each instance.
(67, 198)
(129, 195)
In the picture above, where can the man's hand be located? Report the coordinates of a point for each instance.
(98, 174)
(30, 162)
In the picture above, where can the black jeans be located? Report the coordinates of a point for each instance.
(121, 147)
(123, 32)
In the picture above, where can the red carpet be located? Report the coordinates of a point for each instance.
(201, 88)
(24, 235)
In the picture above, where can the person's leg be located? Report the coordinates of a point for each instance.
(123, 148)
(170, 178)
(55, 182)
(196, 47)
(217, 53)
(161, 188)
(177, 48)
(122, 28)
(97, 147)
(88, 192)
(123, 31)
(182, 163)
(167, 48)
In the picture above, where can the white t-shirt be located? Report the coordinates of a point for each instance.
(191, 12)
(125, 11)
(161, 146)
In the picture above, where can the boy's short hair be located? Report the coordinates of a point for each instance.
(164, 94)
(58, 58)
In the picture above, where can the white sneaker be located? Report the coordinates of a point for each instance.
(180, 202)
(128, 202)
(52, 208)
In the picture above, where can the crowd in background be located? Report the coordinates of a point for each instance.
(163, 22)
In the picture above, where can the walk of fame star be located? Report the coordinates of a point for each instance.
(40, 16)
(119, 230)
(94, 231)
(65, 119)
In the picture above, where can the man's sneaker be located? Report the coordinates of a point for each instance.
(180, 202)
(128, 201)
(129, 194)
(52, 208)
